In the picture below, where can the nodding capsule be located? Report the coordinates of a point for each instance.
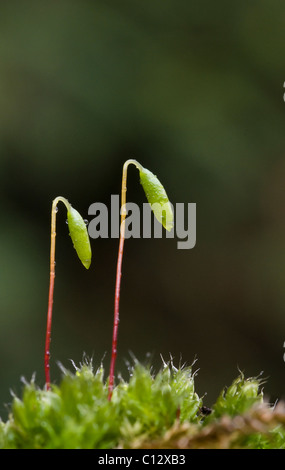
(79, 235)
(157, 198)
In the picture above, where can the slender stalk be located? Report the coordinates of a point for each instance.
(119, 274)
(51, 285)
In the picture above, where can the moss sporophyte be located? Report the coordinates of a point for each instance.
(157, 198)
(79, 236)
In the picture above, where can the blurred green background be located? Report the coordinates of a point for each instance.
(194, 91)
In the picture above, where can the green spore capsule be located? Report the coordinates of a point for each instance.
(79, 236)
(157, 198)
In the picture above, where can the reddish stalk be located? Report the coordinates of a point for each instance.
(116, 315)
(51, 287)
(119, 276)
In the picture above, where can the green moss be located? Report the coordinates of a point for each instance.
(148, 408)
(238, 398)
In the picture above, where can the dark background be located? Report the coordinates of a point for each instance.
(194, 91)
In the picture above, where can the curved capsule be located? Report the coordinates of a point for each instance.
(157, 198)
(79, 235)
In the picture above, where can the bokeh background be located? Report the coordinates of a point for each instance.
(194, 91)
